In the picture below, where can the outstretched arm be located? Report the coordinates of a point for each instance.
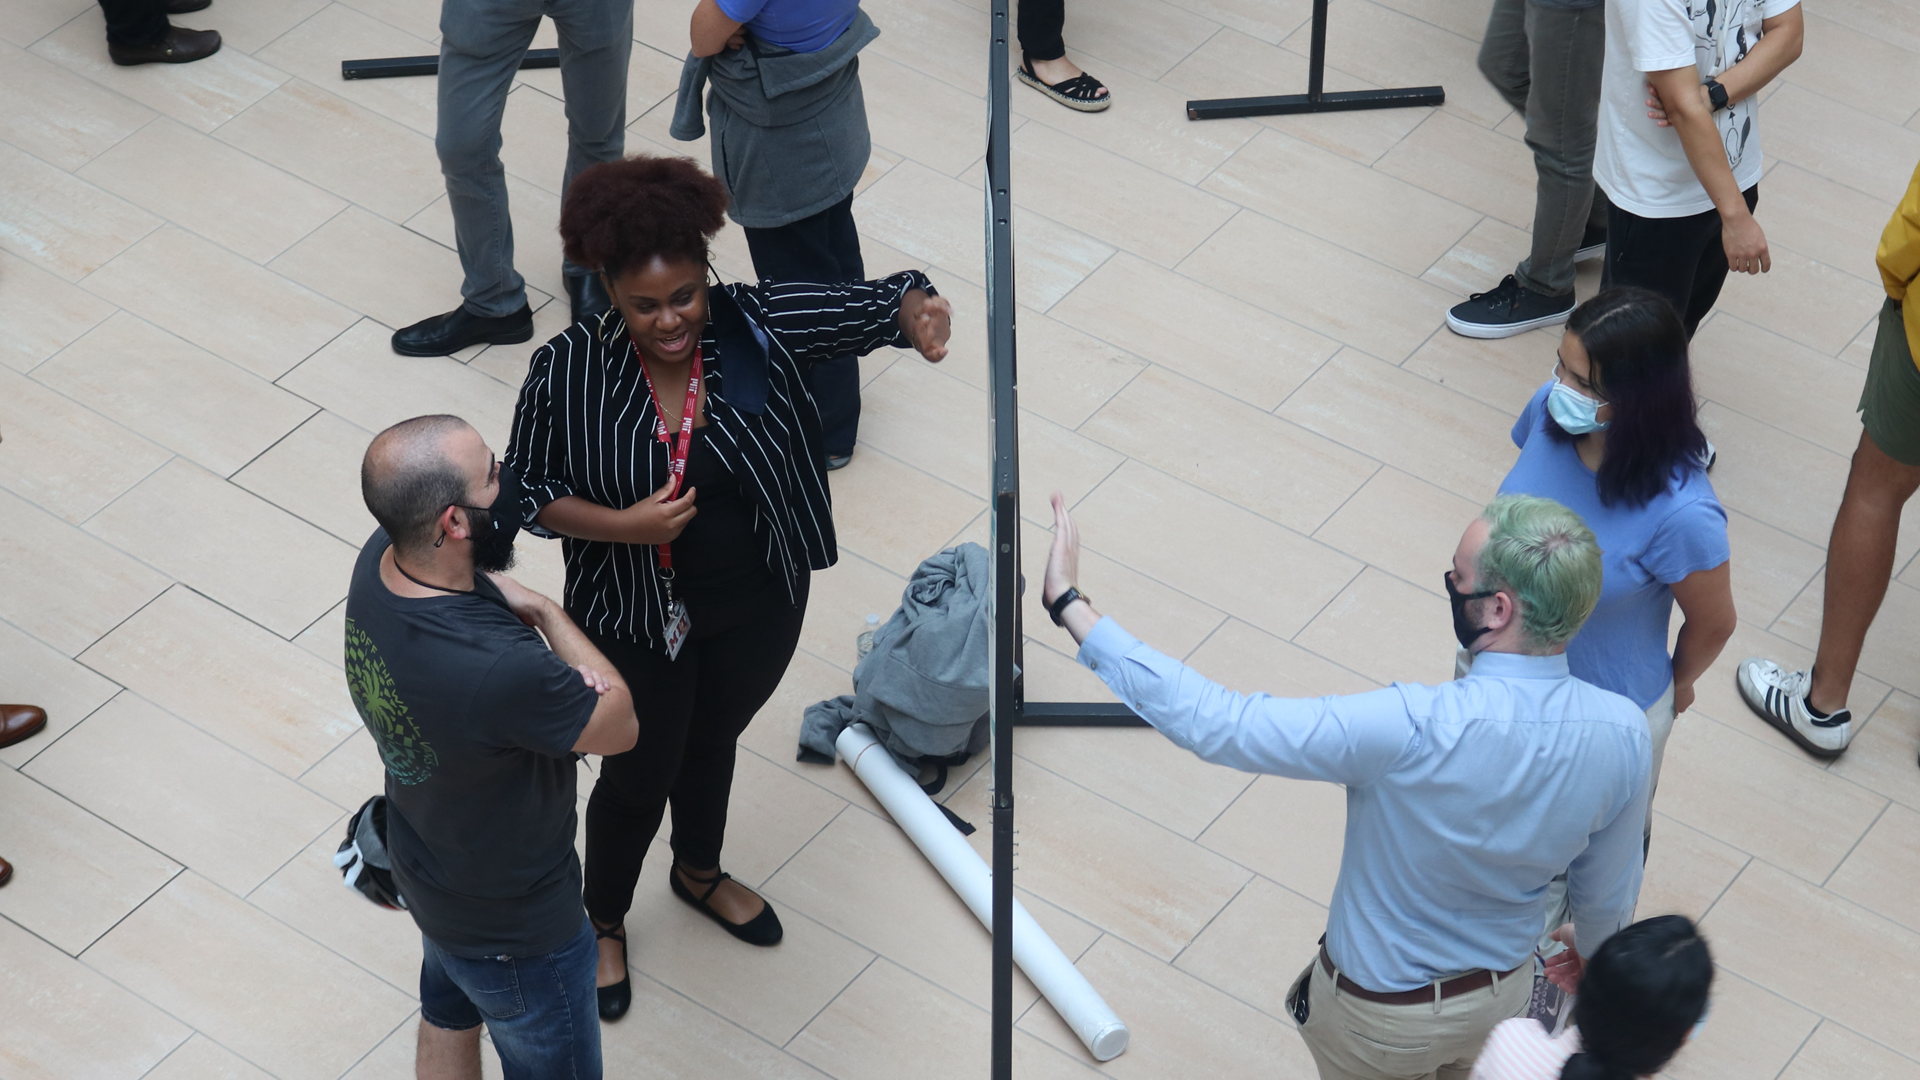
(815, 322)
(1344, 740)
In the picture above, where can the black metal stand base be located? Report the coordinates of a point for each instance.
(396, 66)
(1289, 104)
(1075, 714)
(1315, 100)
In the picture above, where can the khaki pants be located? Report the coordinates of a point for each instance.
(1355, 1039)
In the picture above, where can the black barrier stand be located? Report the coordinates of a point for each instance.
(1007, 705)
(1003, 419)
(1315, 100)
(395, 66)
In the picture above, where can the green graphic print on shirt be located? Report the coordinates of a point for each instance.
(408, 756)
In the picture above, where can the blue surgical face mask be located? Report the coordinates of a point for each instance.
(1575, 412)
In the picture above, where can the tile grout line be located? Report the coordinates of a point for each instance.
(864, 968)
(1855, 846)
(1174, 961)
(382, 1041)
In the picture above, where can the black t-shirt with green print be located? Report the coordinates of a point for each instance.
(475, 719)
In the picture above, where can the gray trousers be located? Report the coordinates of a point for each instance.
(1546, 62)
(482, 43)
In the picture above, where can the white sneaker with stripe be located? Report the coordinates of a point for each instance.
(1780, 697)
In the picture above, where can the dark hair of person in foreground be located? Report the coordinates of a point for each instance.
(1640, 996)
(1639, 353)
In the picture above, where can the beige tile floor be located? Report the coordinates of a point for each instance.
(1234, 365)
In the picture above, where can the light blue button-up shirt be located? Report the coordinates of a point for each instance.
(1463, 800)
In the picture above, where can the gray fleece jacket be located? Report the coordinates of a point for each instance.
(790, 132)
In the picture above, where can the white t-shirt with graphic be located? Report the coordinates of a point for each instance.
(1641, 166)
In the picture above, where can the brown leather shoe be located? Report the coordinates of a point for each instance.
(19, 722)
(6, 871)
(179, 46)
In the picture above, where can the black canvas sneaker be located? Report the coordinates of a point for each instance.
(1511, 308)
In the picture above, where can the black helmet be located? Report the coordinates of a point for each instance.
(363, 858)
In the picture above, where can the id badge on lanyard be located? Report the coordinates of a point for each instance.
(679, 626)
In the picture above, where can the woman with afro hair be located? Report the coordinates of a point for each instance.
(672, 445)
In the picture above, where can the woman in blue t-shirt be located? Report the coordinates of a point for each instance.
(1613, 436)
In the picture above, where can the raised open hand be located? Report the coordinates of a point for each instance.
(1063, 558)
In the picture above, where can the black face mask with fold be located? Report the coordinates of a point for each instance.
(496, 526)
(1463, 629)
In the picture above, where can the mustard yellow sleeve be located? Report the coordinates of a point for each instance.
(1899, 253)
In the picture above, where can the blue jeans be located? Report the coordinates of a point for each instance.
(541, 1010)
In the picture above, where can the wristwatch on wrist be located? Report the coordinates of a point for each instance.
(1059, 605)
(1716, 93)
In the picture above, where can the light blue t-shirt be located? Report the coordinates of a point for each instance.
(1645, 549)
(801, 25)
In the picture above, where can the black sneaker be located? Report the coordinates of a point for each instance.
(1593, 244)
(1511, 308)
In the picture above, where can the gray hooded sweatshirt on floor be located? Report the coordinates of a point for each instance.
(923, 688)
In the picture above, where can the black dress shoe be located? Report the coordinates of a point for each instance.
(186, 7)
(762, 929)
(179, 46)
(588, 296)
(444, 335)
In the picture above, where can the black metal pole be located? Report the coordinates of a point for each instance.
(1315, 99)
(1004, 421)
(1317, 53)
(392, 67)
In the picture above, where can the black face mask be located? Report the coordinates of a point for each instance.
(494, 527)
(1465, 631)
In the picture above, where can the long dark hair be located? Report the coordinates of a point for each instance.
(1638, 348)
(1640, 996)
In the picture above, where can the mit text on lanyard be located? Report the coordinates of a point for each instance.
(678, 624)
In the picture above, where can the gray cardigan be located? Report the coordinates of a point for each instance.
(789, 129)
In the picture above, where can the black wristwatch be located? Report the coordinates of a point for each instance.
(1716, 93)
(1059, 605)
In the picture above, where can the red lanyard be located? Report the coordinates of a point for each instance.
(676, 450)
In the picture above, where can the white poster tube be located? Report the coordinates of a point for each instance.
(1077, 1002)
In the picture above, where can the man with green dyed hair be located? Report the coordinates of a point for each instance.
(1540, 554)
(1464, 800)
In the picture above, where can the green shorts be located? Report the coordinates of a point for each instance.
(1890, 402)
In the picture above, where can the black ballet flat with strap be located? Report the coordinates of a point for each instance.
(1080, 93)
(763, 929)
(615, 1000)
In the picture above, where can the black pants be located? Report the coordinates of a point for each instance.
(1040, 22)
(692, 711)
(1681, 258)
(824, 248)
(135, 22)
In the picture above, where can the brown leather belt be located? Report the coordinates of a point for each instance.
(1464, 984)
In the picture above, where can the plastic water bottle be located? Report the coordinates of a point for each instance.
(863, 644)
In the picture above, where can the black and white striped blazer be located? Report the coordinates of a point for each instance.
(585, 426)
